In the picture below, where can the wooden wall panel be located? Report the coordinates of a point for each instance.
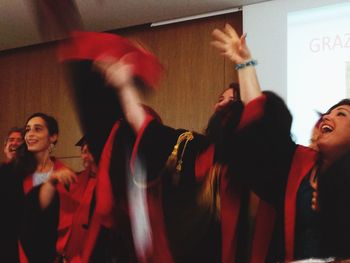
(195, 73)
(31, 80)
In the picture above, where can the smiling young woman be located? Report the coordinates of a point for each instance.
(307, 189)
(43, 236)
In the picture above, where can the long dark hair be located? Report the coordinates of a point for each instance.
(223, 123)
(342, 102)
(236, 91)
(25, 162)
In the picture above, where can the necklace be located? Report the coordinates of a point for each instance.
(314, 185)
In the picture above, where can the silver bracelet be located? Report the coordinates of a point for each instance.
(252, 62)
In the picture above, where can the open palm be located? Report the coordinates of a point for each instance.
(231, 45)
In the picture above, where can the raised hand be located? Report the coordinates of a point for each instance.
(117, 73)
(231, 45)
(235, 49)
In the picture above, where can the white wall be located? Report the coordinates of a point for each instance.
(302, 48)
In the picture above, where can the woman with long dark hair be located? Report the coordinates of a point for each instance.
(35, 181)
(46, 191)
(307, 189)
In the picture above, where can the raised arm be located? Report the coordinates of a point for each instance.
(236, 50)
(119, 75)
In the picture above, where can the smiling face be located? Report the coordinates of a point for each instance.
(334, 138)
(37, 135)
(13, 141)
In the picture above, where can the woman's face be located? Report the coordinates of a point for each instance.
(334, 137)
(225, 99)
(37, 135)
(86, 156)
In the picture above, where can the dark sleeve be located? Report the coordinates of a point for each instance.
(156, 145)
(39, 228)
(262, 151)
(11, 198)
(334, 202)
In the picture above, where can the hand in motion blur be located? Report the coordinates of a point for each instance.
(231, 45)
(117, 73)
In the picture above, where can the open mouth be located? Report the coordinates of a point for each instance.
(326, 128)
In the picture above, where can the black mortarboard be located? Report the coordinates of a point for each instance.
(81, 142)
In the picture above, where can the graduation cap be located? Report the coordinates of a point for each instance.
(81, 142)
(96, 103)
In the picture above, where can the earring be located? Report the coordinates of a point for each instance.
(51, 147)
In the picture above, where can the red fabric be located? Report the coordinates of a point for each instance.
(230, 197)
(104, 199)
(92, 45)
(160, 250)
(303, 160)
(80, 219)
(104, 193)
(105, 205)
(67, 208)
(230, 201)
(22, 255)
(91, 237)
(28, 183)
(253, 111)
(204, 162)
(69, 203)
(264, 224)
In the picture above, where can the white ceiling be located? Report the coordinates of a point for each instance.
(18, 26)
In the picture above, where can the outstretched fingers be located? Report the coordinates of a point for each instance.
(117, 72)
(230, 31)
(230, 44)
(219, 45)
(220, 36)
(103, 62)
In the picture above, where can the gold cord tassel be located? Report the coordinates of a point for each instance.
(172, 159)
(173, 163)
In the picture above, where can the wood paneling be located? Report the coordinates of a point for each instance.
(195, 73)
(32, 80)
